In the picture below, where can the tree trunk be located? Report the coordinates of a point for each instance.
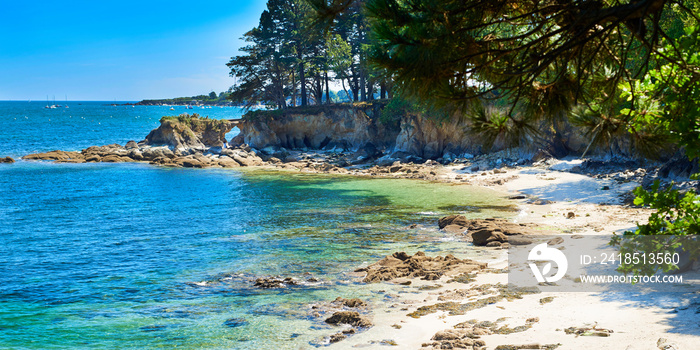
(382, 90)
(328, 91)
(302, 81)
(294, 90)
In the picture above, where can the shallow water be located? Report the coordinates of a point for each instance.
(137, 256)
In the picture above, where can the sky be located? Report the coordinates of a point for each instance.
(120, 51)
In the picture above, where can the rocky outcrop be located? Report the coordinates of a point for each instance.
(401, 264)
(189, 132)
(184, 141)
(57, 155)
(7, 160)
(157, 155)
(490, 232)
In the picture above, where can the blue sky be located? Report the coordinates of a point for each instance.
(125, 51)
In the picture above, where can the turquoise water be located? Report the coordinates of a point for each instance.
(137, 256)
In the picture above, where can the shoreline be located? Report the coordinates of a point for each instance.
(547, 194)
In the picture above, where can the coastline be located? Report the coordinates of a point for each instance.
(551, 194)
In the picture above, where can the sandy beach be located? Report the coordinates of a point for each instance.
(618, 319)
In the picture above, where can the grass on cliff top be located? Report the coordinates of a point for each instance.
(314, 109)
(186, 123)
(192, 119)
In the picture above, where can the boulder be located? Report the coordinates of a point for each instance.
(352, 318)
(151, 153)
(485, 236)
(459, 220)
(131, 145)
(7, 160)
(227, 162)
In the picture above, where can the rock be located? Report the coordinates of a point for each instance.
(665, 344)
(54, 155)
(235, 322)
(400, 264)
(456, 339)
(570, 215)
(448, 334)
(189, 131)
(135, 154)
(352, 318)
(152, 153)
(271, 282)
(112, 158)
(455, 229)
(131, 145)
(227, 162)
(7, 160)
(353, 303)
(459, 220)
(519, 240)
(484, 236)
(334, 338)
(555, 241)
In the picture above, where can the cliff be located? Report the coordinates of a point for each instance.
(346, 127)
(352, 127)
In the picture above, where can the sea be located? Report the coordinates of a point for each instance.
(135, 256)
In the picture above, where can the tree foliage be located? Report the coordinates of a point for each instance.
(547, 59)
(290, 54)
(622, 70)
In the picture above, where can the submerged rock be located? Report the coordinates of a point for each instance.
(352, 303)
(7, 160)
(274, 282)
(235, 322)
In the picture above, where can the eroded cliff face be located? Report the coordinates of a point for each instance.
(431, 139)
(349, 128)
(189, 132)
